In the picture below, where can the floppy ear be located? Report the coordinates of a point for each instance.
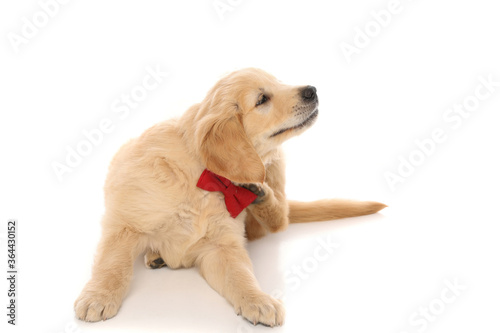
(226, 150)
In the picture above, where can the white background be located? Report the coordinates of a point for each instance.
(442, 223)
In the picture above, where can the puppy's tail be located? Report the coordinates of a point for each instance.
(330, 209)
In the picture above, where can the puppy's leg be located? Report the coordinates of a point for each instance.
(102, 295)
(153, 260)
(227, 268)
(253, 229)
(270, 212)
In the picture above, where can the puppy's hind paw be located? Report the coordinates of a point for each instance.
(153, 260)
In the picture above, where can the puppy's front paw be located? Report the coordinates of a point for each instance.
(258, 190)
(262, 309)
(96, 306)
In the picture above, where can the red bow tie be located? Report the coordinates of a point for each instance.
(237, 198)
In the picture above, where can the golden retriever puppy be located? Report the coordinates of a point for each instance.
(153, 204)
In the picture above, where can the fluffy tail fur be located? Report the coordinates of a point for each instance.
(330, 209)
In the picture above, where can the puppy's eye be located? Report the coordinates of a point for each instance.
(262, 100)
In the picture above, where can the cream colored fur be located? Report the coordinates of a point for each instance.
(154, 206)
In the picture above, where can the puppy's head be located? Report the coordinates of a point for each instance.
(247, 115)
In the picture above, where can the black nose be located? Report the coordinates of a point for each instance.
(309, 94)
